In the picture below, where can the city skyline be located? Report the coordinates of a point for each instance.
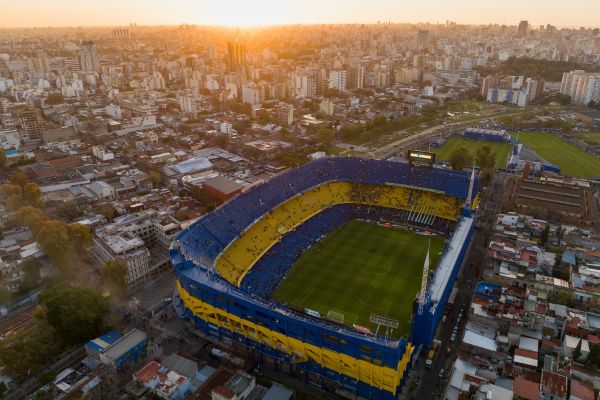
(62, 13)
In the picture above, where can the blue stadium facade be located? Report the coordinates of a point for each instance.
(321, 353)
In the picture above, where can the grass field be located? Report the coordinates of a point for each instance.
(571, 160)
(359, 269)
(500, 149)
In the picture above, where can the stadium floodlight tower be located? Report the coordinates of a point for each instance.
(423, 293)
(467, 209)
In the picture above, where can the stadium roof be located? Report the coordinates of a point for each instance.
(193, 164)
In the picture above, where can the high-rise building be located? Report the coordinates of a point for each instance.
(31, 123)
(283, 114)
(423, 39)
(583, 87)
(88, 59)
(337, 80)
(121, 34)
(236, 54)
(523, 28)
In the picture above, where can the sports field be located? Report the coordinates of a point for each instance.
(500, 149)
(359, 269)
(571, 160)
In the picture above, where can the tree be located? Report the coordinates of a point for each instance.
(53, 237)
(32, 194)
(80, 238)
(485, 158)
(19, 178)
(593, 359)
(155, 178)
(26, 352)
(76, 313)
(544, 236)
(577, 351)
(114, 273)
(32, 277)
(460, 158)
(486, 175)
(2, 160)
(13, 195)
(55, 98)
(325, 136)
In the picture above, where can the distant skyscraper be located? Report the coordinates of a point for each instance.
(236, 54)
(88, 59)
(523, 28)
(423, 39)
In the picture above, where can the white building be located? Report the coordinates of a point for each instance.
(188, 105)
(583, 87)
(102, 154)
(250, 94)
(337, 80)
(88, 59)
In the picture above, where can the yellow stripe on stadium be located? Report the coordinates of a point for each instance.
(382, 377)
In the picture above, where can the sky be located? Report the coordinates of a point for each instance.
(40, 13)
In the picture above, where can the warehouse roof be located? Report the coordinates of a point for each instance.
(223, 184)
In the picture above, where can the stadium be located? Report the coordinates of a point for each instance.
(336, 272)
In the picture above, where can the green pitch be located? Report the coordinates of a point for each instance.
(359, 269)
(502, 150)
(571, 160)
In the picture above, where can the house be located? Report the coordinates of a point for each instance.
(525, 389)
(554, 385)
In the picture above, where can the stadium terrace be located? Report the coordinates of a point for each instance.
(230, 262)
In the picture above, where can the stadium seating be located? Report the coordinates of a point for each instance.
(236, 235)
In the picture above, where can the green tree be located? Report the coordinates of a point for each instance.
(32, 195)
(577, 351)
(19, 178)
(593, 359)
(325, 136)
(25, 353)
(115, 274)
(544, 236)
(155, 178)
(3, 161)
(53, 237)
(80, 238)
(76, 313)
(486, 175)
(460, 158)
(485, 158)
(55, 98)
(32, 277)
(13, 195)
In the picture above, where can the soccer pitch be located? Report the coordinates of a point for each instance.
(571, 160)
(500, 149)
(359, 269)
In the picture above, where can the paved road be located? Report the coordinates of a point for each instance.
(392, 148)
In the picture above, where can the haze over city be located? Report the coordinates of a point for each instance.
(298, 200)
(40, 13)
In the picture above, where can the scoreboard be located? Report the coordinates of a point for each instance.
(421, 157)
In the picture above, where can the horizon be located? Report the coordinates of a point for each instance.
(268, 13)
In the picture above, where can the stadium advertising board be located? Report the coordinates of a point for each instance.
(312, 312)
(421, 157)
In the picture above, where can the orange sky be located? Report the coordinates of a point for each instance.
(18, 13)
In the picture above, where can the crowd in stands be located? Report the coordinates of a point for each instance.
(275, 208)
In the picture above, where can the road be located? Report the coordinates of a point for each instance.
(391, 149)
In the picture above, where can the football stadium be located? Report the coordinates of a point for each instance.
(336, 272)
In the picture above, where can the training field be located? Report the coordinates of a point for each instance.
(501, 150)
(359, 269)
(571, 160)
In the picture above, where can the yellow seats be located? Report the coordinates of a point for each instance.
(240, 255)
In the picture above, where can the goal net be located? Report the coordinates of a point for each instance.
(335, 316)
